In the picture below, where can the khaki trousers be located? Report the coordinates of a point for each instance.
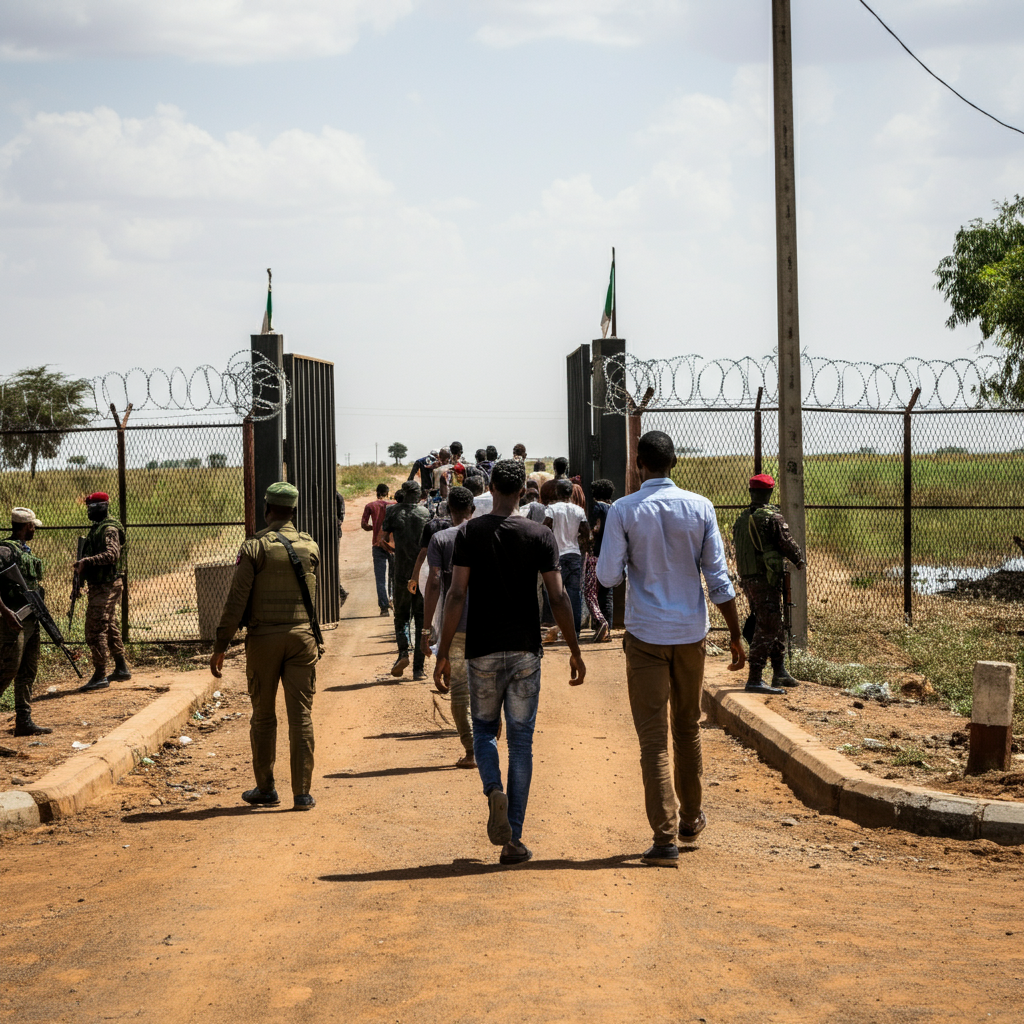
(460, 691)
(289, 658)
(665, 682)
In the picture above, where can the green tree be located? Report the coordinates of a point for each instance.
(397, 451)
(35, 400)
(217, 460)
(983, 280)
(77, 460)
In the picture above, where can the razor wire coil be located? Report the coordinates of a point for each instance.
(693, 381)
(250, 385)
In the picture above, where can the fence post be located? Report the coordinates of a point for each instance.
(634, 425)
(122, 498)
(757, 433)
(248, 477)
(908, 480)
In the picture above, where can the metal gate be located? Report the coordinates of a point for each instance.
(581, 460)
(311, 461)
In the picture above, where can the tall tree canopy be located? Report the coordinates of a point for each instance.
(983, 280)
(397, 451)
(33, 402)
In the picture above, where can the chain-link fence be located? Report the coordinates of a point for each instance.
(908, 512)
(176, 486)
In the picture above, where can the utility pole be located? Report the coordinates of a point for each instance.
(791, 436)
(375, 459)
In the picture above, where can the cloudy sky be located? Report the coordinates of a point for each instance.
(437, 185)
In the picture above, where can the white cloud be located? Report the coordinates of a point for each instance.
(228, 31)
(600, 22)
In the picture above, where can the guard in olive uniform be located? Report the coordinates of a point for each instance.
(280, 645)
(762, 542)
(19, 641)
(102, 569)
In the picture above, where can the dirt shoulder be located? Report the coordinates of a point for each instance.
(922, 744)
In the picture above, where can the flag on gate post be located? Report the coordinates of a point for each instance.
(269, 315)
(608, 318)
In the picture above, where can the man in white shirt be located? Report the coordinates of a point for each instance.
(665, 538)
(568, 522)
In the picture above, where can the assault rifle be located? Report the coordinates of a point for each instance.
(76, 582)
(37, 607)
(787, 614)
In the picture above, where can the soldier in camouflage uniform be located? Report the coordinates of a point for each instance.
(762, 542)
(279, 645)
(19, 641)
(102, 569)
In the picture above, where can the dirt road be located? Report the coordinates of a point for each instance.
(386, 903)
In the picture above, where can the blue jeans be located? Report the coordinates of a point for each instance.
(571, 566)
(380, 567)
(512, 679)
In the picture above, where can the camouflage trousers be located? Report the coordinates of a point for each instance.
(769, 642)
(19, 662)
(103, 622)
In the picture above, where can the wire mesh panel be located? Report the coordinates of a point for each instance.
(937, 490)
(185, 523)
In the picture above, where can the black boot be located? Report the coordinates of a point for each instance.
(781, 676)
(99, 681)
(121, 670)
(755, 684)
(24, 726)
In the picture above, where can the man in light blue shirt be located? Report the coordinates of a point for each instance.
(664, 539)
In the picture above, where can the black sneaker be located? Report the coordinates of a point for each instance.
(499, 831)
(666, 856)
(513, 852)
(418, 675)
(385, 611)
(259, 798)
(762, 687)
(304, 802)
(687, 833)
(400, 665)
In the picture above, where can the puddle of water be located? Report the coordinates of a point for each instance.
(934, 579)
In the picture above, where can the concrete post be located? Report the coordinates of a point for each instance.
(991, 716)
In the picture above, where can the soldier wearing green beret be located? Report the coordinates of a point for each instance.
(280, 645)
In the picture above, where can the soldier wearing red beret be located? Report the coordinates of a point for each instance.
(762, 542)
(102, 568)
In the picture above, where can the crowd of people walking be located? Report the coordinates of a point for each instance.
(484, 562)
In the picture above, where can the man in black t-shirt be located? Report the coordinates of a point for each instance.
(497, 558)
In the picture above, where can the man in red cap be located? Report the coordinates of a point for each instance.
(102, 568)
(762, 542)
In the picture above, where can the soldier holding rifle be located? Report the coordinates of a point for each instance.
(102, 568)
(272, 594)
(19, 640)
(763, 543)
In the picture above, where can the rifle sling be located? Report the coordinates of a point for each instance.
(300, 575)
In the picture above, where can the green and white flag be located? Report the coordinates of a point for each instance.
(269, 315)
(609, 302)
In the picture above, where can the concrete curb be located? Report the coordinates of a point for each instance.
(83, 777)
(827, 781)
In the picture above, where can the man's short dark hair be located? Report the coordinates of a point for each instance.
(399, 496)
(455, 446)
(540, 466)
(492, 452)
(382, 490)
(532, 485)
(481, 454)
(563, 488)
(519, 449)
(561, 464)
(656, 451)
(508, 476)
(460, 499)
(602, 490)
(474, 483)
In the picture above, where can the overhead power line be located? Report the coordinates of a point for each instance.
(936, 77)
